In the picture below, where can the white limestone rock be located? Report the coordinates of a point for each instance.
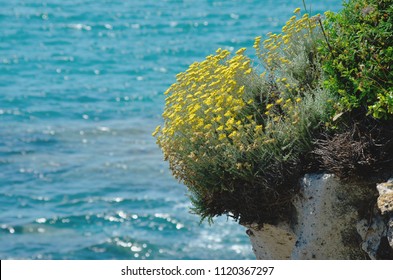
(328, 224)
(326, 219)
(272, 242)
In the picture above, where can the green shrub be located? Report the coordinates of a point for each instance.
(237, 139)
(358, 59)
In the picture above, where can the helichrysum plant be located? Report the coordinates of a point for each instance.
(236, 138)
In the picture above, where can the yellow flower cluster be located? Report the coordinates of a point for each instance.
(278, 47)
(278, 54)
(206, 107)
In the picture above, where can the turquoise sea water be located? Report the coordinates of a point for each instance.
(81, 85)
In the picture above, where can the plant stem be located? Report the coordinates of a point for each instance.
(324, 35)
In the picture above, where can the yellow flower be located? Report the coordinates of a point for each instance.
(233, 134)
(222, 136)
(296, 11)
(200, 123)
(246, 64)
(156, 131)
(258, 128)
(208, 126)
(230, 123)
(241, 51)
(191, 117)
(283, 60)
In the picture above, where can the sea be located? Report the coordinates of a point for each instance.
(81, 91)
